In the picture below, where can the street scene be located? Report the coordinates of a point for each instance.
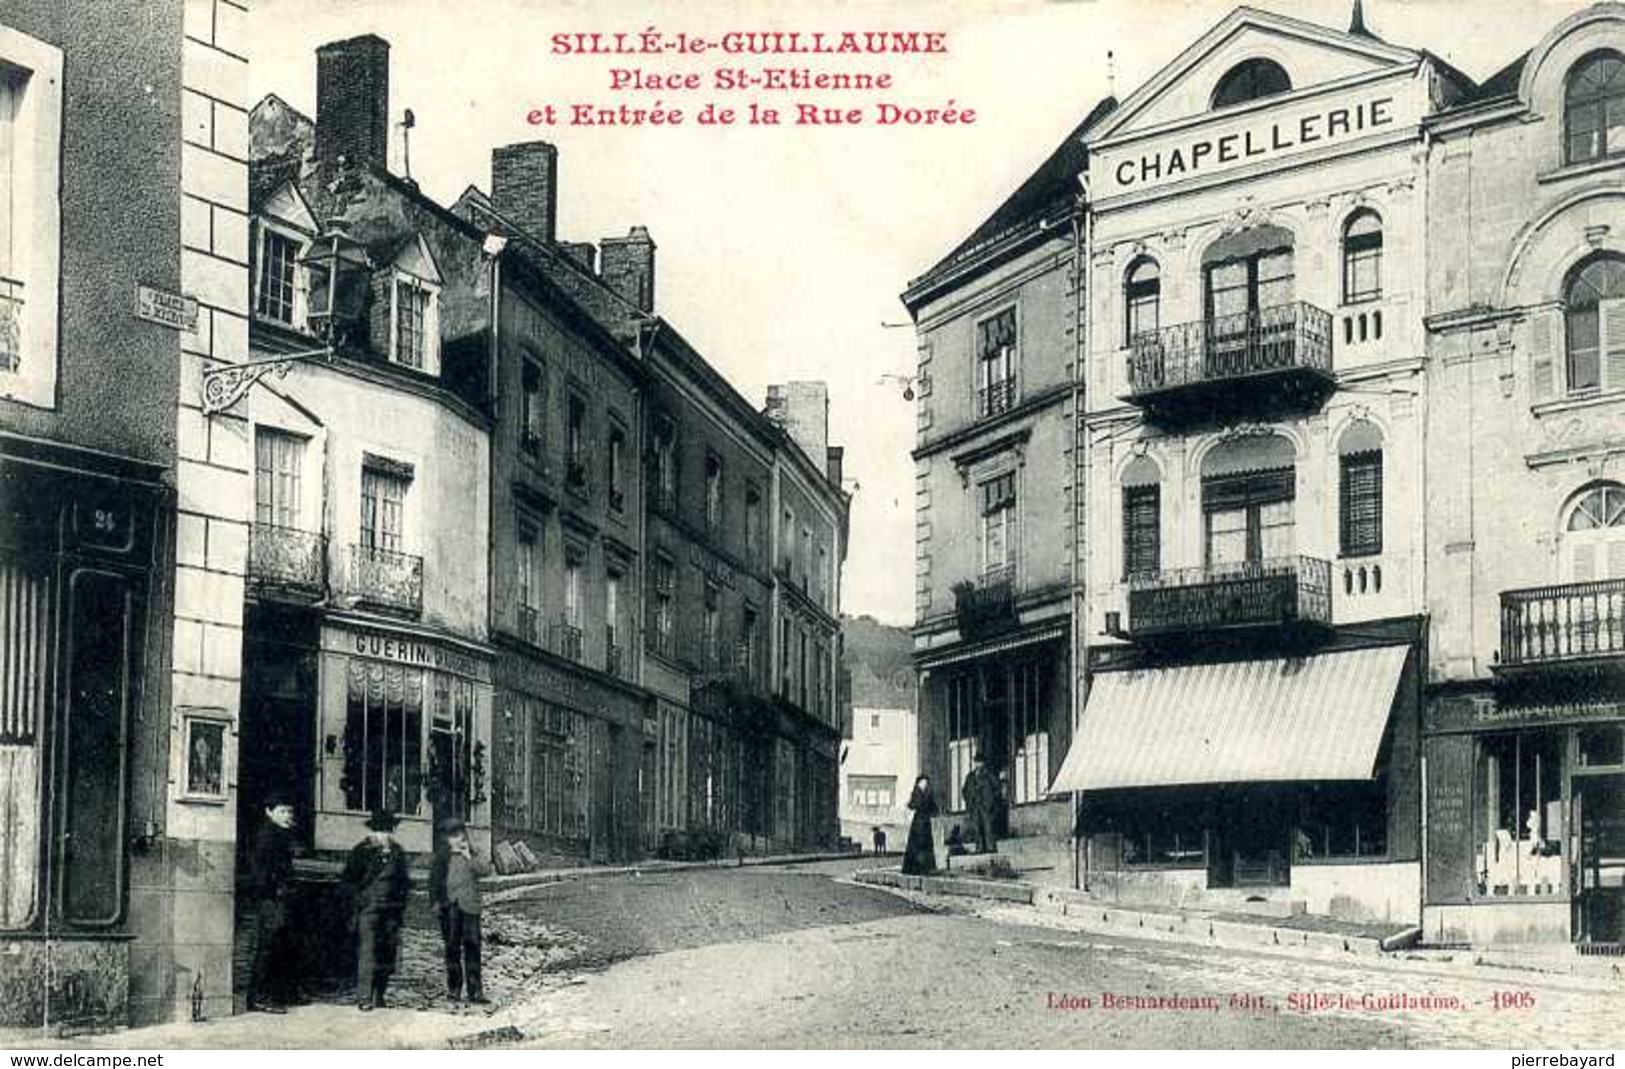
(764, 531)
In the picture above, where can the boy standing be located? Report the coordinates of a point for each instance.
(454, 887)
(378, 883)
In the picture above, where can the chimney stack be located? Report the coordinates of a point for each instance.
(834, 469)
(584, 253)
(352, 100)
(525, 187)
(627, 266)
(802, 409)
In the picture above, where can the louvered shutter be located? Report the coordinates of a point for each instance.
(1611, 320)
(1582, 562)
(1142, 534)
(1361, 504)
(1542, 366)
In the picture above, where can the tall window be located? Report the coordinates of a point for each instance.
(999, 524)
(1360, 500)
(749, 638)
(753, 526)
(801, 667)
(573, 559)
(712, 634)
(30, 216)
(383, 509)
(1519, 802)
(1594, 535)
(278, 461)
(617, 467)
(278, 253)
(713, 492)
(665, 462)
(1250, 80)
(664, 604)
(784, 657)
(1247, 275)
(1594, 107)
(575, 441)
(1248, 488)
(1142, 300)
(1362, 257)
(996, 363)
(1142, 530)
(28, 605)
(383, 743)
(528, 580)
(612, 607)
(411, 324)
(532, 402)
(1594, 322)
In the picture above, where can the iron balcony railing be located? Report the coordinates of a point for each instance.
(530, 624)
(996, 397)
(288, 558)
(386, 578)
(1272, 591)
(1562, 623)
(1284, 337)
(989, 602)
(565, 640)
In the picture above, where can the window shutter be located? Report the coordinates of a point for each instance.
(1142, 534)
(1542, 369)
(1616, 557)
(1611, 319)
(1361, 504)
(1583, 562)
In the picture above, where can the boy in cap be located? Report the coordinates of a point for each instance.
(268, 886)
(377, 881)
(454, 888)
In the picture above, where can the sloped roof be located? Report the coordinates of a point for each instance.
(1503, 82)
(1048, 191)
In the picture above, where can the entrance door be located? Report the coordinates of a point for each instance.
(1248, 846)
(277, 747)
(1599, 859)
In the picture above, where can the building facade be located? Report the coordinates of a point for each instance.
(882, 758)
(998, 323)
(116, 745)
(368, 679)
(1525, 317)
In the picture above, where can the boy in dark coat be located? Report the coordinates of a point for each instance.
(268, 886)
(454, 888)
(376, 878)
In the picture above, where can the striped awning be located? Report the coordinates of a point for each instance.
(1320, 717)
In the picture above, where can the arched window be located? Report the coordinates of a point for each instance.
(1362, 257)
(1359, 496)
(1594, 108)
(1594, 535)
(1248, 489)
(1142, 518)
(1142, 298)
(1594, 324)
(1249, 80)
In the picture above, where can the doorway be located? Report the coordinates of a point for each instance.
(277, 730)
(1599, 858)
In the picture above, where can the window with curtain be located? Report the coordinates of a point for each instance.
(383, 737)
(1248, 517)
(1594, 324)
(713, 492)
(1362, 257)
(383, 509)
(1360, 503)
(999, 524)
(1594, 108)
(665, 574)
(532, 408)
(279, 459)
(996, 363)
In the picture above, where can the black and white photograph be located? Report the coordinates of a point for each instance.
(851, 524)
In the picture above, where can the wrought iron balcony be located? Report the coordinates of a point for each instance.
(987, 604)
(386, 579)
(530, 624)
(1256, 362)
(287, 560)
(1273, 593)
(1549, 625)
(995, 397)
(564, 639)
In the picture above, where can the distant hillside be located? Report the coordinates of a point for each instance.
(878, 657)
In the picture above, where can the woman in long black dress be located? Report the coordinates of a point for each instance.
(919, 856)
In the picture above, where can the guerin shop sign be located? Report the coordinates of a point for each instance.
(1212, 151)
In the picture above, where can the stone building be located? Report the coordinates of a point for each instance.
(881, 760)
(1525, 326)
(122, 239)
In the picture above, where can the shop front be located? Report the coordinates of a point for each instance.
(570, 757)
(403, 722)
(1284, 779)
(1526, 817)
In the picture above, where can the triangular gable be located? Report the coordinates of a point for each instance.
(1312, 55)
(416, 259)
(288, 206)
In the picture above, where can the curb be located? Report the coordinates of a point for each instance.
(514, 882)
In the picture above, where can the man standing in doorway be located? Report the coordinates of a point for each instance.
(272, 984)
(982, 800)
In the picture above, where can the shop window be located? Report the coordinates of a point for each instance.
(383, 737)
(1518, 788)
(1602, 747)
(996, 363)
(453, 771)
(1250, 79)
(1594, 108)
(1594, 324)
(560, 771)
(670, 811)
(30, 216)
(999, 534)
(1001, 714)
(28, 606)
(1343, 822)
(1362, 257)
(1167, 838)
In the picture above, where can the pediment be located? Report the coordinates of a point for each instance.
(417, 260)
(1311, 55)
(288, 206)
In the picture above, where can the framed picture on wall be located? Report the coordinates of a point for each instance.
(204, 764)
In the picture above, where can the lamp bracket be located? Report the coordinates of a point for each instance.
(226, 384)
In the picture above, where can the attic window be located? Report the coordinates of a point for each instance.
(1251, 79)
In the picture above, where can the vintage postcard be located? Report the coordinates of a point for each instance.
(536, 524)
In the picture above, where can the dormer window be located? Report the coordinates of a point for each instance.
(1251, 79)
(411, 345)
(276, 284)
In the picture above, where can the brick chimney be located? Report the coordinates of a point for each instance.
(525, 187)
(835, 464)
(802, 409)
(584, 253)
(352, 100)
(627, 266)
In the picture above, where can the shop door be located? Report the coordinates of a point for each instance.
(1248, 845)
(1599, 859)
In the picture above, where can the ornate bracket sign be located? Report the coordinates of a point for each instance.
(226, 384)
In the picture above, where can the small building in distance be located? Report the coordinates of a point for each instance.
(882, 757)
